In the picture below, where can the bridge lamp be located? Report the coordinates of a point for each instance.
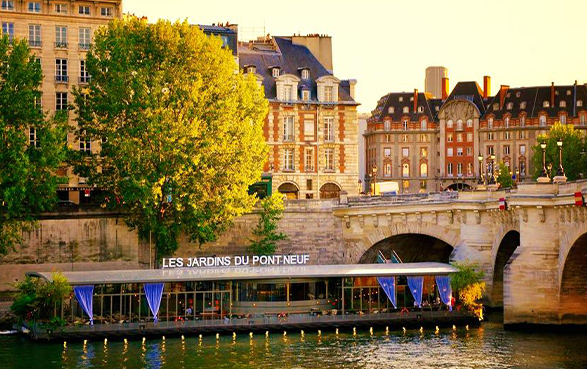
(543, 147)
(492, 178)
(561, 171)
(480, 158)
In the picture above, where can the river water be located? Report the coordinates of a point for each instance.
(488, 346)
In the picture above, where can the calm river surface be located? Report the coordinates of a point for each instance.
(486, 347)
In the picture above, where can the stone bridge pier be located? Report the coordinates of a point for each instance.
(534, 252)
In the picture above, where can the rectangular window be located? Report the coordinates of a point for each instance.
(423, 138)
(85, 146)
(309, 129)
(449, 137)
(34, 7)
(449, 151)
(288, 162)
(459, 151)
(106, 12)
(61, 101)
(33, 137)
(287, 93)
(423, 152)
(309, 162)
(405, 124)
(582, 119)
(522, 134)
(459, 137)
(84, 10)
(328, 93)
(288, 128)
(405, 152)
(305, 95)
(84, 76)
(506, 150)
(329, 129)
(387, 138)
(490, 136)
(329, 159)
(387, 125)
(469, 137)
(489, 150)
(84, 38)
(8, 30)
(61, 8)
(449, 169)
(34, 35)
(61, 70)
(61, 37)
(459, 169)
(387, 152)
(469, 151)
(7, 5)
(506, 135)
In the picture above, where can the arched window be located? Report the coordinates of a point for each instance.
(405, 170)
(490, 123)
(406, 109)
(424, 124)
(449, 123)
(459, 125)
(387, 169)
(288, 189)
(469, 123)
(545, 104)
(542, 120)
(423, 170)
(330, 191)
(562, 103)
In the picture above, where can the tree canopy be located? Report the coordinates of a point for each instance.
(266, 233)
(504, 178)
(32, 144)
(180, 130)
(574, 158)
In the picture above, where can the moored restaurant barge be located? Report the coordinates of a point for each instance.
(241, 298)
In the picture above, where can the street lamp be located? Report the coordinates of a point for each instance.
(561, 171)
(492, 177)
(480, 158)
(544, 172)
(374, 177)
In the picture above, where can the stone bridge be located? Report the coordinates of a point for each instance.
(534, 253)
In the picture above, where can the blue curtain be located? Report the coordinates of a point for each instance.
(444, 289)
(416, 284)
(153, 292)
(85, 297)
(388, 285)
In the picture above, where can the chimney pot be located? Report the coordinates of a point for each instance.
(552, 95)
(486, 87)
(415, 100)
(444, 88)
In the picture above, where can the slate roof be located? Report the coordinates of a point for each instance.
(393, 100)
(534, 98)
(468, 91)
(291, 59)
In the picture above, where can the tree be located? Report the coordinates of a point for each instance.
(504, 178)
(32, 145)
(180, 130)
(38, 299)
(266, 234)
(468, 282)
(574, 145)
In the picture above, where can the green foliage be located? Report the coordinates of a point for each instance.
(28, 181)
(37, 299)
(180, 130)
(266, 234)
(467, 275)
(504, 178)
(574, 143)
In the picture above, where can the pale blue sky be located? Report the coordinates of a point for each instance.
(387, 45)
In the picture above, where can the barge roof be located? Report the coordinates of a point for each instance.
(250, 273)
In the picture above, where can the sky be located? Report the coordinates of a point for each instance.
(387, 45)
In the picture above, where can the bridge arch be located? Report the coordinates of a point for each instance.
(509, 240)
(573, 283)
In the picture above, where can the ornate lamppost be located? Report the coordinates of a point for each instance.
(492, 177)
(560, 173)
(544, 175)
(374, 178)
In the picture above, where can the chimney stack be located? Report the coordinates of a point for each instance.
(486, 87)
(444, 88)
(552, 95)
(415, 100)
(502, 91)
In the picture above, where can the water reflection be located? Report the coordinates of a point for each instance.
(487, 347)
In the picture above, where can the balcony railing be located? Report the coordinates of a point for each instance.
(84, 46)
(61, 45)
(35, 43)
(84, 79)
(61, 79)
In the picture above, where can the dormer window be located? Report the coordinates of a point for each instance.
(327, 88)
(406, 109)
(523, 105)
(496, 106)
(275, 72)
(420, 109)
(568, 92)
(401, 98)
(306, 95)
(251, 69)
(391, 110)
(562, 104)
(305, 74)
(579, 102)
(518, 94)
(411, 98)
(328, 93)
(510, 105)
(546, 104)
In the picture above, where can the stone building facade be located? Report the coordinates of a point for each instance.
(425, 144)
(311, 127)
(60, 34)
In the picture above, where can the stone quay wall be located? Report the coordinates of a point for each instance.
(93, 239)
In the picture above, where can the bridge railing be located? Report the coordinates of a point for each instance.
(403, 198)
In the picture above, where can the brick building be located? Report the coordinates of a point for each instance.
(426, 144)
(311, 127)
